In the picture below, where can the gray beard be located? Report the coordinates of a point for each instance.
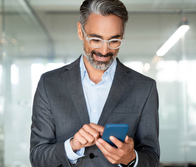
(98, 64)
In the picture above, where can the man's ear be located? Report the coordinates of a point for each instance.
(80, 33)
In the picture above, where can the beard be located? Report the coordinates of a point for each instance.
(99, 65)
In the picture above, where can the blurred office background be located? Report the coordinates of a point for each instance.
(40, 35)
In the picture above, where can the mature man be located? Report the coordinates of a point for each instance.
(73, 104)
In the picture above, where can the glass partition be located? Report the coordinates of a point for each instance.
(23, 39)
(175, 74)
(1, 88)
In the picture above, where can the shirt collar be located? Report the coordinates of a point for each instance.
(110, 71)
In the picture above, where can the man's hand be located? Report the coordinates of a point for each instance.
(86, 136)
(123, 154)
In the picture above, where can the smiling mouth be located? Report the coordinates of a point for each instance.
(101, 58)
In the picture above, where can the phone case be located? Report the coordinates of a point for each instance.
(117, 130)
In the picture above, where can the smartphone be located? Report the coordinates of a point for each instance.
(117, 130)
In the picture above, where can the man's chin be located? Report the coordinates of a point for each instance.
(102, 65)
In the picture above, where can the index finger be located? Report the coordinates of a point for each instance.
(98, 128)
(91, 131)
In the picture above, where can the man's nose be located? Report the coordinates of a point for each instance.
(104, 48)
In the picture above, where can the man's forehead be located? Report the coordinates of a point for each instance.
(99, 24)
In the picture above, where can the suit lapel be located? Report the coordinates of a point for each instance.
(73, 85)
(72, 82)
(121, 81)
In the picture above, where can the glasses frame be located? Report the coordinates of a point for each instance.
(108, 41)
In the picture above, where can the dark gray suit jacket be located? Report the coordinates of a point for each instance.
(59, 111)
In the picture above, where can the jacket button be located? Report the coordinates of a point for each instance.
(91, 155)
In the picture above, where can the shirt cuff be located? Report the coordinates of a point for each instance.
(71, 155)
(137, 159)
(136, 162)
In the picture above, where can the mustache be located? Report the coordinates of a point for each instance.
(100, 55)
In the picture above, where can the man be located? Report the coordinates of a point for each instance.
(73, 104)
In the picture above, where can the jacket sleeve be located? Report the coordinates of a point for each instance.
(146, 141)
(44, 150)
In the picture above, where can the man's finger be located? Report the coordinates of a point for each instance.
(77, 142)
(86, 135)
(92, 131)
(128, 139)
(105, 152)
(98, 128)
(107, 149)
(117, 142)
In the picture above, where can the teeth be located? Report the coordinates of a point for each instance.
(102, 58)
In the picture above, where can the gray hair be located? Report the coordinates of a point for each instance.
(103, 7)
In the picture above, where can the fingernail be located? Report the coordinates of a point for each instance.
(111, 138)
(100, 140)
(97, 143)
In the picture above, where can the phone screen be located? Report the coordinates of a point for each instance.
(117, 130)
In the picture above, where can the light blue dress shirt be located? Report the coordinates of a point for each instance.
(95, 96)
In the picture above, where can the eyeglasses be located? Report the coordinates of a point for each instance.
(95, 42)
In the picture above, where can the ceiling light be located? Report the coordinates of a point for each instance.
(173, 39)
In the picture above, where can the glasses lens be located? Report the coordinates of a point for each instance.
(114, 44)
(95, 42)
